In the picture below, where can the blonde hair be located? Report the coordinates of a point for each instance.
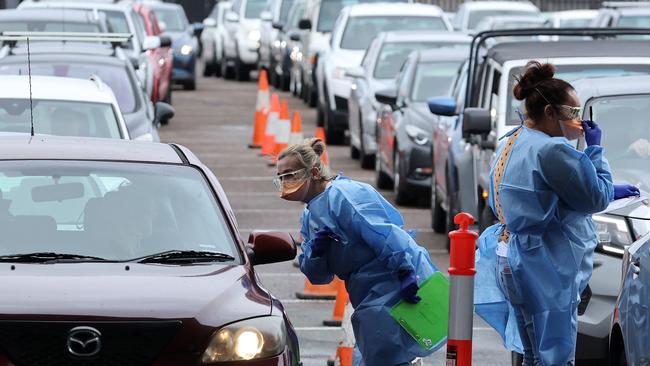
(308, 155)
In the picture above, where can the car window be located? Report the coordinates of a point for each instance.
(116, 77)
(49, 26)
(433, 79)
(236, 6)
(575, 23)
(476, 16)
(626, 136)
(254, 8)
(571, 73)
(392, 55)
(634, 21)
(75, 207)
(153, 21)
(296, 14)
(141, 22)
(61, 118)
(285, 7)
(173, 19)
(330, 9)
(360, 31)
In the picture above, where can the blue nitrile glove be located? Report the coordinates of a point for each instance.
(409, 287)
(593, 133)
(625, 190)
(322, 241)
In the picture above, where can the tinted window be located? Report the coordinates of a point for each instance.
(174, 19)
(571, 73)
(330, 9)
(433, 79)
(254, 8)
(635, 21)
(61, 118)
(393, 55)
(116, 211)
(49, 26)
(116, 77)
(360, 31)
(476, 16)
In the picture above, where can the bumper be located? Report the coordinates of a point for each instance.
(339, 88)
(417, 165)
(184, 67)
(248, 51)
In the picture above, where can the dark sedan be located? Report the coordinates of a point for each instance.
(404, 130)
(127, 253)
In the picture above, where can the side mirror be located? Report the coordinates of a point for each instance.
(164, 112)
(277, 25)
(443, 106)
(294, 36)
(197, 29)
(210, 22)
(477, 121)
(266, 16)
(304, 24)
(388, 96)
(165, 41)
(232, 17)
(270, 247)
(151, 42)
(355, 72)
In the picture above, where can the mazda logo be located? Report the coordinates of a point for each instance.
(84, 341)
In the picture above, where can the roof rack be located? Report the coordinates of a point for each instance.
(625, 4)
(115, 39)
(479, 41)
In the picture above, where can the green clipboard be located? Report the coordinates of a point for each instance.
(427, 320)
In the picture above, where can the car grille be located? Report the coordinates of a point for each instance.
(28, 343)
(341, 103)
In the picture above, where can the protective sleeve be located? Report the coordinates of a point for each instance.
(582, 180)
(362, 213)
(315, 268)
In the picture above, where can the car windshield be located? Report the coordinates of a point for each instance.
(360, 31)
(330, 9)
(116, 77)
(174, 19)
(571, 73)
(634, 21)
(393, 54)
(59, 117)
(476, 16)
(284, 10)
(432, 79)
(112, 210)
(575, 23)
(49, 26)
(626, 136)
(254, 8)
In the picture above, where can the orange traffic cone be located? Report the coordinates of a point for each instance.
(261, 111)
(339, 307)
(320, 134)
(282, 132)
(319, 292)
(268, 145)
(345, 348)
(296, 136)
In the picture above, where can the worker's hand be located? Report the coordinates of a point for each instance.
(593, 133)
(409, 287)
(625, 190)
(322, 241)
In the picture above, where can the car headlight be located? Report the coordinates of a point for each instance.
(254, 35)
(338, 73)
(186, 49)
(146, 137)
(417, 135)
(613, 234)
(246, 340)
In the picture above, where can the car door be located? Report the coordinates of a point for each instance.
(398, 116)
(359, 91)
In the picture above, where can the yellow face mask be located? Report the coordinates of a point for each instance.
(571, 129)
(291, 190)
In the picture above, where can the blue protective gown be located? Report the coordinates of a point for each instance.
(548, 193)
(373, 247)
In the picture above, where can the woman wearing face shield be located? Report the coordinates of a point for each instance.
(533, 265)
(351, 231)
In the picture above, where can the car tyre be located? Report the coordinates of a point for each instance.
(242, 73)
(168, 97)
(226, 72)
(399, 185)
(190, 85)
(382, 180)
(452, 199)
(285, 83)
(354, 152)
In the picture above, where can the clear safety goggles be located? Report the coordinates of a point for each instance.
(290, 177)
(569, 112)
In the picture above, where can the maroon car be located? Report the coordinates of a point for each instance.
(124, 253)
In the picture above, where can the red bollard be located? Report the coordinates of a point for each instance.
(461, 292)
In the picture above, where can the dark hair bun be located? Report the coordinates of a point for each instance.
(535, 73)
(317, 144)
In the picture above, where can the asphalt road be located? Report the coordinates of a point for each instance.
(216, 123)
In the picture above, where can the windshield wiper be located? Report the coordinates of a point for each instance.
(49, 257)
(185, 256)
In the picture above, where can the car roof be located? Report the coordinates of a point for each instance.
(394, 9)
(508, 51)
(413, 36)
(515, 18)
(72, 52)
(573, 14)
(161, 5)
(631, 11)
(496, 5)
(25, 147)
(35, 14)
(452, 54)
(55, 88)
(79, 4)
(611, 86)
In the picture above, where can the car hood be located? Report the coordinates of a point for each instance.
(212, 294)
(179, 38)
(250, 24)
(346, 58)
(319, 42)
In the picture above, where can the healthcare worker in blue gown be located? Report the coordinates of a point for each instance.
(532, 268)
(351, 231)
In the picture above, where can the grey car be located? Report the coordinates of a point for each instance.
(111, 65)
(286, 46)
(404, 131)
(379, 67)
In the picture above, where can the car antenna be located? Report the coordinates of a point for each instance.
(31, 101)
